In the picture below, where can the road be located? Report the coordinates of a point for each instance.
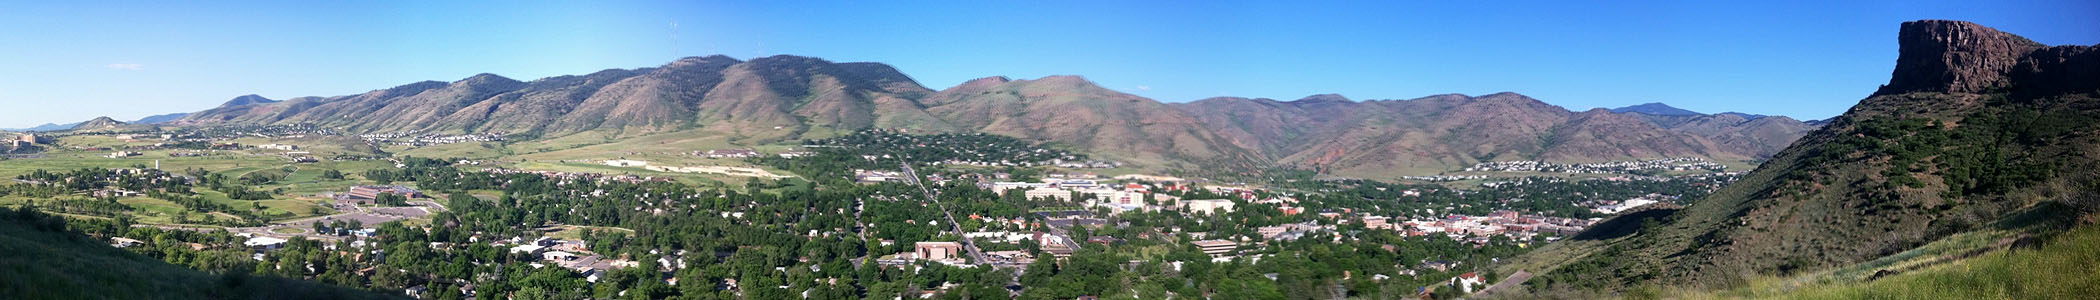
(976, 256)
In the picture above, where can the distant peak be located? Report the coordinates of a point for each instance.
(1746, 116)
(486, 78)
(99, 122)
(1323, 98)
(987, 81)
(700, 60)
(1504, 94)
(248, 99)
(1062, 78)
(1656, 108)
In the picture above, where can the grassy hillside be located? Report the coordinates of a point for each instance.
(46, 261)
(2059, 269)
(1920, 162)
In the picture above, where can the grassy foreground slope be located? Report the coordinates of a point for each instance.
(46, 261)
(2060, 269)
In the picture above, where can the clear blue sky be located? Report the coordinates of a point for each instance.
(62, 61)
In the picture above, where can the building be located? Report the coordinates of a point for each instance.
(278, 147)
(558, 256)
(938, 250)
(1465, 282)
(1057, 245)
(1374, 222)
(1048, 193)
(369, 192)
(1207, 205)
(264, 243)
(1003, 186)
(27, 138)
(534, 250)
(124, 242)
(1216, 248)
(731, 153)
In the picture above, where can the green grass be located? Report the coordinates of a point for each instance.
(2063, 268)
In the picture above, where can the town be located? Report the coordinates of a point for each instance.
(1617, 167)
(1023, 214)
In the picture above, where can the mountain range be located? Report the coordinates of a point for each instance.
(1977, 129)
(786, 98)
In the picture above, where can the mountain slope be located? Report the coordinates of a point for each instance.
(1975, 128)
(1073, 111)
(160, 118)
(45, 261)
(1438, 133)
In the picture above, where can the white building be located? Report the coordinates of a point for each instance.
(1207, 206)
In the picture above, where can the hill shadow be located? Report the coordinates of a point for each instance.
(1622, 225)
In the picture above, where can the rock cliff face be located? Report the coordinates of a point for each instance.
(1954, 57)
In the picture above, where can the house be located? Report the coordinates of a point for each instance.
(1465, 282)
(124, 242)
(416, 291)
(1216, 248)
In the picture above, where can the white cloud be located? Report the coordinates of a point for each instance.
(1144, 88)
(126, 67)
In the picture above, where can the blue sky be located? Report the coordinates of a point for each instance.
(67, 61)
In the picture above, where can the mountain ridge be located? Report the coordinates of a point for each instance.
(785, 98)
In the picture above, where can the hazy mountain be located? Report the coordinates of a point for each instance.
(1656, 108)
(161, 118)
(249, 99)
(1976, 129)
(1440, 132)
(47, 127)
